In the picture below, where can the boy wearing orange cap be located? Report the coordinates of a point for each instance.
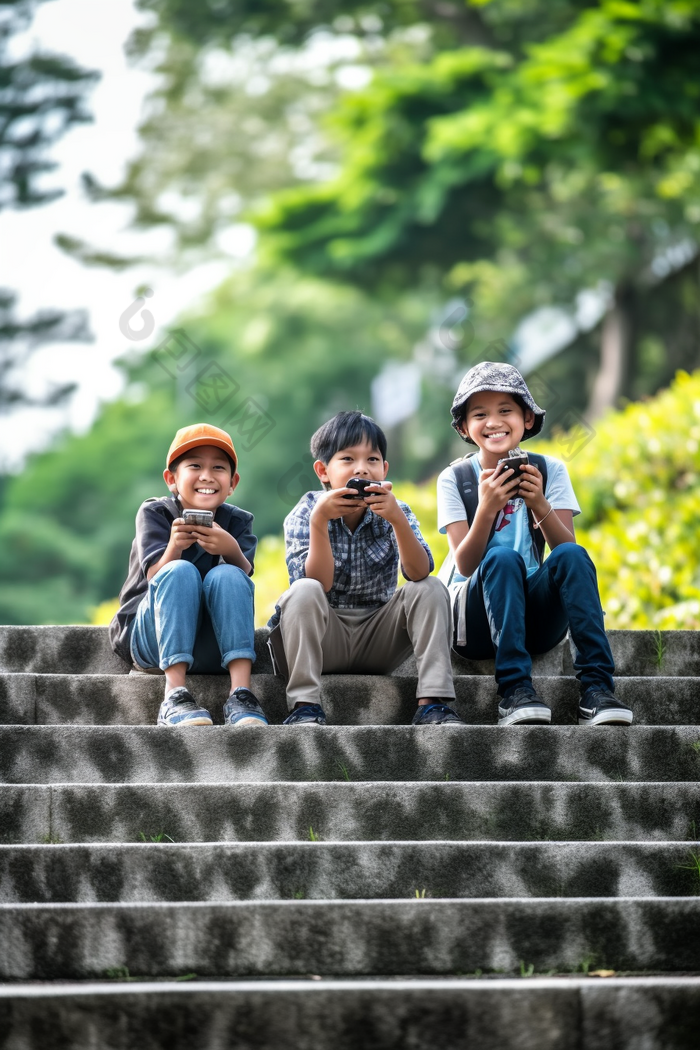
(187, 603)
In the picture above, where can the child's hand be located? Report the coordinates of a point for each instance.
(332, 504)
(181, 535)
(381, 500)
(531, 489)
(496, 488)
(215, 540)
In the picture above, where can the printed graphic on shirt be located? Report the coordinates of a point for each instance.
(504, 516)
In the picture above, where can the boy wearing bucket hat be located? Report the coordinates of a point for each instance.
(508, 601)
(187, 603)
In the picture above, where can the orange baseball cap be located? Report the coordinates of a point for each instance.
(200, 434)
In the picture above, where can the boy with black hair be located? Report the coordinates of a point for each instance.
(507, 599)
(343, 611)
(187, 603)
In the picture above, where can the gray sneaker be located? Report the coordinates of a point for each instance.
(242, 709)
(181, 709)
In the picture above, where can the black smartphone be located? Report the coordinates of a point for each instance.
(203, 518)
(516, 462)
(359, 484)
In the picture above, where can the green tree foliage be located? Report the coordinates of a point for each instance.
(291, 24)
(245, 87)
(67, 521)
(523, 176)
(41, 96)
(513, 151)
(243, 90)
(603, 114)
(18, 338)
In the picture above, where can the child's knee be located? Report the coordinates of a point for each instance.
(179, 574)
(503, 559)
(303, 594)
(569, 554)
(429, 590)
(230, 577)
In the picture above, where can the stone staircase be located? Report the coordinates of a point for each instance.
(362, 886)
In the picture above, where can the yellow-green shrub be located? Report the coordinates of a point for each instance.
(638, 483)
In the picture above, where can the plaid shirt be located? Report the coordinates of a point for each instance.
(366, 560)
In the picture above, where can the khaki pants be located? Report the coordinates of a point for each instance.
(313, 638)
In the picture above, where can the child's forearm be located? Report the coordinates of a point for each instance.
(171, 553)
(472, 548)
(320, 563)
(554, 530)
(237, 557)
(414, 560)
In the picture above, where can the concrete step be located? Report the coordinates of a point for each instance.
(94, 699)
(564, 1013)
(349, 938)
(211, 754)
(77, 649)
(264, 871)
(342, 811)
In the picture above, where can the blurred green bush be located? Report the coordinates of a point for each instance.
(638, 483)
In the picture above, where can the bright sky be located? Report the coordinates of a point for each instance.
(43, 276)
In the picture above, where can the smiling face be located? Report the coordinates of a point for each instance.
(496, 423)
(357, 461)
(202, 478)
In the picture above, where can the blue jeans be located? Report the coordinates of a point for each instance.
(514, 616)
(204, 623)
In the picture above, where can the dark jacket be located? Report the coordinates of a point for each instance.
(153, 524)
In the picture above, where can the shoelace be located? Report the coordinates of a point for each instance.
(245, 699)
(184, 697)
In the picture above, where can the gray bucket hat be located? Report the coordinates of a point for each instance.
(498, 377)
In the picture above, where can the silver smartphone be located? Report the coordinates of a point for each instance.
(204, 518)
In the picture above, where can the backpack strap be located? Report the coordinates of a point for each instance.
(173, 506)
(467, 483)
(537, 538)
(468, 486)
(170, 502)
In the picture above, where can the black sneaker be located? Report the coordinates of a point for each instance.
(435, 714)
(600, 707)
(306, 714)
(523, 706)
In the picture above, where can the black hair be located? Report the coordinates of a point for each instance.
(345, 430)
(176, 462)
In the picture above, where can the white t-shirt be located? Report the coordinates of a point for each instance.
(512, 529)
